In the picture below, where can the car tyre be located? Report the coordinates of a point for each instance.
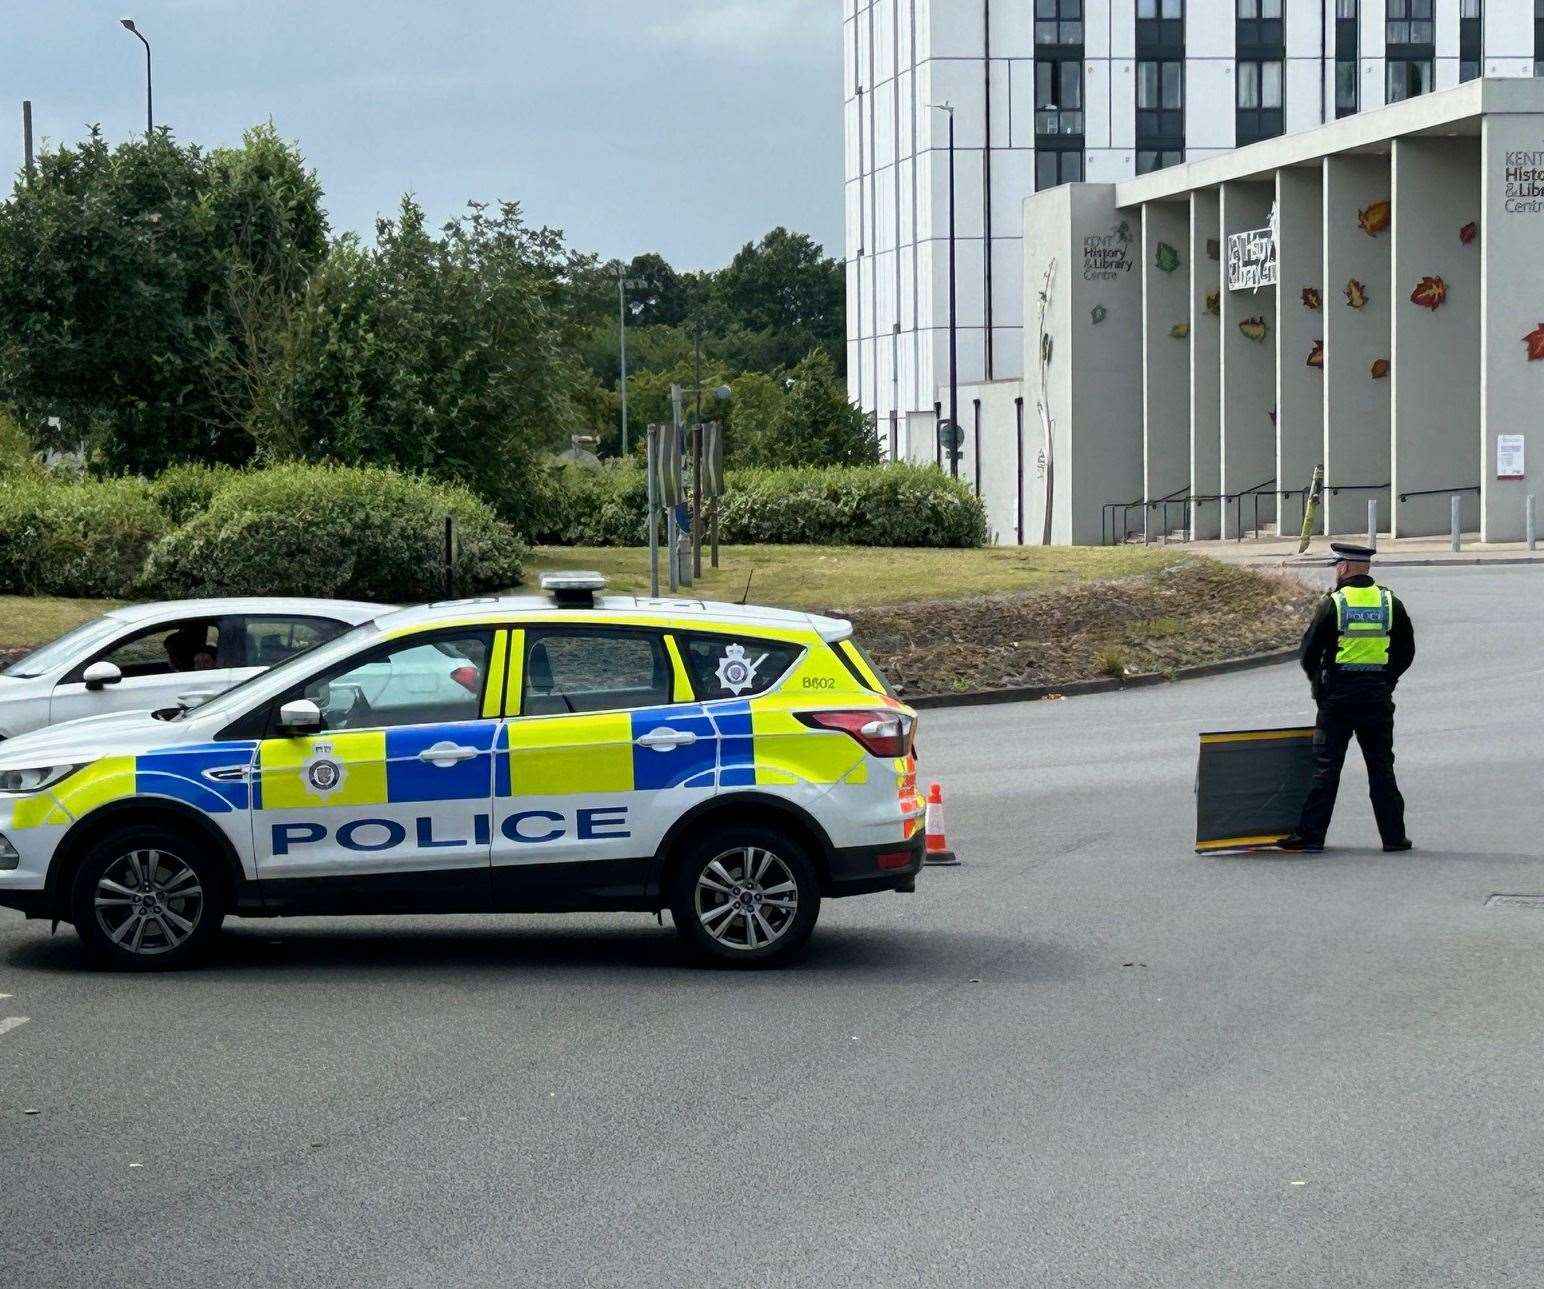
(147, 898)
(744, 896)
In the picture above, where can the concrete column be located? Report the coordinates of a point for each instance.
(1248, 368)
(1299, 329)
(1048, 404)
(1435, 404)
(1356, 403)
(1511, 309)
(1205, 363)
(1166, 261)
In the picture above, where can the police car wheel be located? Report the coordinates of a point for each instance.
(146, 899)
(745, 897)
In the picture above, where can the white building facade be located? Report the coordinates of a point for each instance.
(1047, 92)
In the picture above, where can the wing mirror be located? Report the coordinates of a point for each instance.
(101, 674)
(301, 716)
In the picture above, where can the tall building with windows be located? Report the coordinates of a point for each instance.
(1048, 92)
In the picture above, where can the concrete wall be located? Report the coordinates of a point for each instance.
(1166, 359)
(1248, 370)
(994, 458)
(1435, 407)
(1299, 387)
(1048, 246)
(1205, 364)
(1356, 412)
(1511, 308)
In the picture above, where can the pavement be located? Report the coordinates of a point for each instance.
(1393, 552)
(1088, 1057)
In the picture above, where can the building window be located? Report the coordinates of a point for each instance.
(1161, 97)
(1345, 87)
(1259, 100)
(1409, 22)
(1058, 22)
(1058, 97)
(1259, 24)
(1057, 166)
(1347, 82)
(1160, 28)
(1150, 159)
(1408, 77)
(1470, 36)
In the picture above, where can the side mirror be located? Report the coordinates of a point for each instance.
(101, 674)
(301, 716)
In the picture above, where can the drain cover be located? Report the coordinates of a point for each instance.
(1516, 901)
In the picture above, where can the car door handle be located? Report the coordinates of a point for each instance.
(445, 755)
(665, 738)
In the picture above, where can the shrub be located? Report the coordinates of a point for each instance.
(183, 491)
(85, 538)
(334, 530)
(607, 507)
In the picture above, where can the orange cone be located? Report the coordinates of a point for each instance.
(937, 850)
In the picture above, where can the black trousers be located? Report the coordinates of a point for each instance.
(1369, 715)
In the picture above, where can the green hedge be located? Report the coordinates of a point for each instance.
(186, 490)
(891, 505)
(332, 530)
(76, 538)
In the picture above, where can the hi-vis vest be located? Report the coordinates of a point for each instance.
(1364, 616)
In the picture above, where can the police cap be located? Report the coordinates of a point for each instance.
(1353, 552)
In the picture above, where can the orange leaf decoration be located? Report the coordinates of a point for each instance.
(1254, 329)
(1468, 232)
(1429, 292)
(1375, 218)
(1316, 355)
(1214, 301)
(1356, 294)
(1311, 297)
(1380, 368)
(1535, 342)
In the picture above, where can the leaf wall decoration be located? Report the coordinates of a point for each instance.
(1311, 297)
(1214, 302)
(1213, 249)
(1379, 368)
(1375, 218)
(1316, 355)
(1356, 294)
(1468, 232)
(1098, 313)
(1535, 342)
(1429, 293)
(1254, 329)
(1180, 330)
(1166, 258)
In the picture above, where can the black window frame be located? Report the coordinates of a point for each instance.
(1063, 121)
(222, 623)
(1059, 23)
(537, 632)
(1253, 123)
(1067, 160)
(1348, 52)
(244, 620)
(1161, 127)
(750, 640)
(1059, 131)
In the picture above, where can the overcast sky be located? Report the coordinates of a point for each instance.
(683, 126)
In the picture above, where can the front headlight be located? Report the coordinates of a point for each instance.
(34, 778)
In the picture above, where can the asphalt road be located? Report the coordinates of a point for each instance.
(1087, 1057)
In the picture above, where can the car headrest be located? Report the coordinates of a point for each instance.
(539, 668)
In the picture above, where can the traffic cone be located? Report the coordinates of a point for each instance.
(937, 851)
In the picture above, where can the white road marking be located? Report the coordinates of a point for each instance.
(9, 1023)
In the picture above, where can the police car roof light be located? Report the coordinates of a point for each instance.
(573, 590)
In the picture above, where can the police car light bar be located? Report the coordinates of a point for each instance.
(573, 590)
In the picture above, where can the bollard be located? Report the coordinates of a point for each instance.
(1530, 525)
(1456, 523)
(1372, 523)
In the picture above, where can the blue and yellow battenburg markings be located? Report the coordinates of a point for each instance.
(186, 774)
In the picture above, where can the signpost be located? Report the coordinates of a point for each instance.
(950, 437)
(1252, 257)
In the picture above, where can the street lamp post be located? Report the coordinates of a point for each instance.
(622, 334)
(954, 348)
(128, 24)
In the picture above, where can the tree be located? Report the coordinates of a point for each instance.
(116, 288)
(816, 425)
(785, 289)
(439, 354)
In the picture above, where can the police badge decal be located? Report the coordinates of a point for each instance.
(736, 672)
(323, 774)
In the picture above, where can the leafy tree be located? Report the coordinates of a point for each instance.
(816, 425)
(753, 411)
(437, 354)
(789, 291)
(116, 273)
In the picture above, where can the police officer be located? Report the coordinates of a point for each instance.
(1358, 645)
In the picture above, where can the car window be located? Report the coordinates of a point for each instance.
(736, 666)
(416, 683)
(58, 652)
(574, 670)
(188, 645)
(271, 640)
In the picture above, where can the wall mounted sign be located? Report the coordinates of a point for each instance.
(1375, 218)
(1524, 179)
(1252, 257)
(1429, 293)
(1107, 255)
(1509, 456)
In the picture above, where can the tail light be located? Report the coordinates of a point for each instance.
(881, 733)
(469, 678)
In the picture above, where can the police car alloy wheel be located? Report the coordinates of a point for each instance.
(745, 896)
(144, 898)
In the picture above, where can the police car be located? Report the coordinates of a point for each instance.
(564, 752)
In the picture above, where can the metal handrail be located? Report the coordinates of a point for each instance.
(1439, 492)
(1356, 487)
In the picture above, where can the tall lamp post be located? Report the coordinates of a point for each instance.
(128, 24)
(622, 285)
(954, 347)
